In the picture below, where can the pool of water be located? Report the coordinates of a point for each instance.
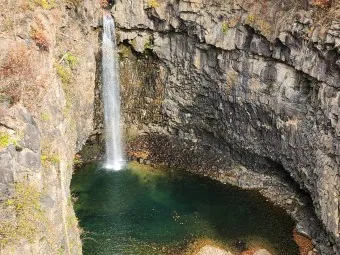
(145, 211)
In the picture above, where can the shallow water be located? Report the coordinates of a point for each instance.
(150, 212)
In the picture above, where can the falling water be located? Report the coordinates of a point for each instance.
(111, 97)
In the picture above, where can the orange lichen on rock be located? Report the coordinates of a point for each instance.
(304, 243)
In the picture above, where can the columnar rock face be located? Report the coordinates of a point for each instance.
(218, 78)
(47, 73)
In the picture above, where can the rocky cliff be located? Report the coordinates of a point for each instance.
(245, 92)
(47, 73)
(237, 91)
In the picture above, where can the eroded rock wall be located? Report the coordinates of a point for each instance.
(47, 78)
(219, 79)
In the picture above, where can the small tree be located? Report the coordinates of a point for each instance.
(322, 3)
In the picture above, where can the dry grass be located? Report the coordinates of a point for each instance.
(21, 79)
(25, 203)
(273, 16)
(15, 72)
(77, 2)
(7, 23)
(17, 63)
(323, 17)
(269, 17)
(144, 154)
(21, 72)
(9, 10)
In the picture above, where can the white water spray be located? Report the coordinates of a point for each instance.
(111, 97)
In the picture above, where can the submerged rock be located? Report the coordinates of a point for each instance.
(262, 252)
(210, 250)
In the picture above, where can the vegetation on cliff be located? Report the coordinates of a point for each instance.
(28, 215)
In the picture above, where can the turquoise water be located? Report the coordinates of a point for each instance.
(150, 212)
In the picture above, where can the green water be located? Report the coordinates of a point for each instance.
(149, 212)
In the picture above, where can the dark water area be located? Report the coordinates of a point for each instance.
(143, 211)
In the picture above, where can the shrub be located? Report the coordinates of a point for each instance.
(225, 28)
(17, 63)
(250, 19)
(153, 3)
(19, 78)
(260, 24)
(45, 4)
(64, 73)
(322, 3)
(49, 159)
(8, 24)
(264, 27)
(77, 160)
(124, 52)
(149, 44)
(40, 38)
(5, 140)
(104, 3)
(74, 2)
(45, 116)
(5, 98)
(71, 59)
(64, 67)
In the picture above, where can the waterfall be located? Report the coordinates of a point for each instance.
(111, 97)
